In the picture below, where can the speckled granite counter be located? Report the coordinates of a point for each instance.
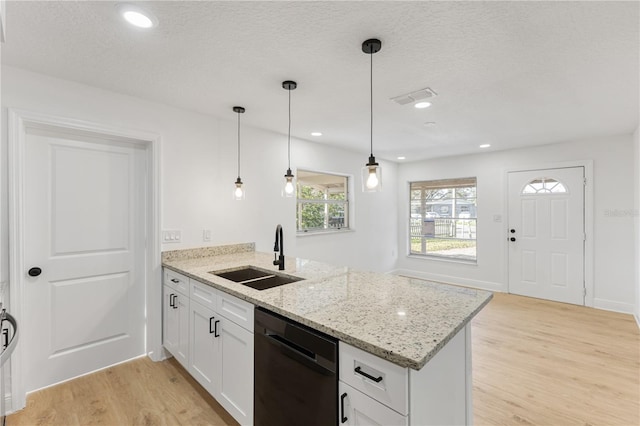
(404, 320)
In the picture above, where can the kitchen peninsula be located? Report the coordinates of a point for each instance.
(411, 336)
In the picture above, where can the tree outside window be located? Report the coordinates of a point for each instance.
(322, 203)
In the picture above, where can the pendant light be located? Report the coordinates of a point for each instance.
(239, 191)
(371, 172)
(289, 186)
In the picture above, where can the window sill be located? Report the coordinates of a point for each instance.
(444, 259)
(327, 232)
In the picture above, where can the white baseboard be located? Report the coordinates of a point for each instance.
(637, 317)
(448, 279)
(611, 305)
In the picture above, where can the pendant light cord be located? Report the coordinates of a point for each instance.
(371, 102)
(289, 134)
(238, 145)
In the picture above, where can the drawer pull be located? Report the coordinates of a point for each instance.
(175, 280)
(368, 376)
(343, 418)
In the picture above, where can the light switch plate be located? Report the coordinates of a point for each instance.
(206, 235)
(174, 236)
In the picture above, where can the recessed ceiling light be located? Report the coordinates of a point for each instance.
(429, 123)
(485, 145)
(137, 16)
(421, 105)
(402, 158)
(316, 133)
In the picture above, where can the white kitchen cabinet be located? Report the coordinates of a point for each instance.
(217, 336)
(235, 371)
(222, 361)
(176, 324)
(383, 393)
(358, 409)
(204, 347)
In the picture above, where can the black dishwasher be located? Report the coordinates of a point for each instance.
(295, 374)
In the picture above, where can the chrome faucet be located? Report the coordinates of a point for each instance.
(279, 246)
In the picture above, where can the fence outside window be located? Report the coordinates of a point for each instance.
(443, 219)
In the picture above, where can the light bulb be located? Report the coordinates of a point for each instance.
(372, 180)
(238, 192)
(288, 187)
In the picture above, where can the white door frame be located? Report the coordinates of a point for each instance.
(18, 122)
(588, 218)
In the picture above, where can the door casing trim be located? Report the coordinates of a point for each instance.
(18, 122)
(589, 284)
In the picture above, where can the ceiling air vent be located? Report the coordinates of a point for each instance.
(415, 96)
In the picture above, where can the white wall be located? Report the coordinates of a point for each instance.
(613, 239)
(199, 167)
(636, 180)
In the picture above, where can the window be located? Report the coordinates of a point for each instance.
(544, 186)
(323, 202)
(443, 218)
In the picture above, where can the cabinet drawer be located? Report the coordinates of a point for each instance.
(357, 409)
(380, 379)
(177, 281)
(204, 294)
(236, 310)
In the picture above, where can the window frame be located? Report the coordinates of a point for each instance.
(346, 203)
(458, 224)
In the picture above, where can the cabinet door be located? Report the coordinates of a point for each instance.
(170, 321)
(358, 409)
(236, 371)
(181, 352)
(203, 346)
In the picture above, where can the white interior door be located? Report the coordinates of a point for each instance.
(84, 201)
(546, 234)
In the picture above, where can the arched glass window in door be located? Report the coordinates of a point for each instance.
(544, 186)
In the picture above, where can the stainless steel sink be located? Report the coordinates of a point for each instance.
(259, 279)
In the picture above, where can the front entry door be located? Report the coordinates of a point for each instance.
(84, 229)
(546, 234)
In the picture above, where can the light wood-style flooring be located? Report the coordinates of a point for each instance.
(534, 363)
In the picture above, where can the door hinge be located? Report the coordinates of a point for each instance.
(584, 181)
(584, 236)
(584, 290)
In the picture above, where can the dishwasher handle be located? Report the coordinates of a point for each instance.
(298, 353)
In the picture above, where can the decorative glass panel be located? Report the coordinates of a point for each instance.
(544, 186)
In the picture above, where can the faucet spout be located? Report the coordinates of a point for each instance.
(278, 246)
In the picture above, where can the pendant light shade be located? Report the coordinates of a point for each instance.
(238, 191)
(371, 172)
(289, 189)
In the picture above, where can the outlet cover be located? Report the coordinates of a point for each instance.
(206, 235)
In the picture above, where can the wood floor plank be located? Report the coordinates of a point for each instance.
(546, 363)
(535, 362)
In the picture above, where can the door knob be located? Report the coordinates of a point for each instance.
(34, 272)
(512, 238)
(513, 231)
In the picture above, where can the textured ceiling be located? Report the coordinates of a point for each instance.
(507, 73)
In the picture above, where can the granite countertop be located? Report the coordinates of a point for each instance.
(404, 320)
